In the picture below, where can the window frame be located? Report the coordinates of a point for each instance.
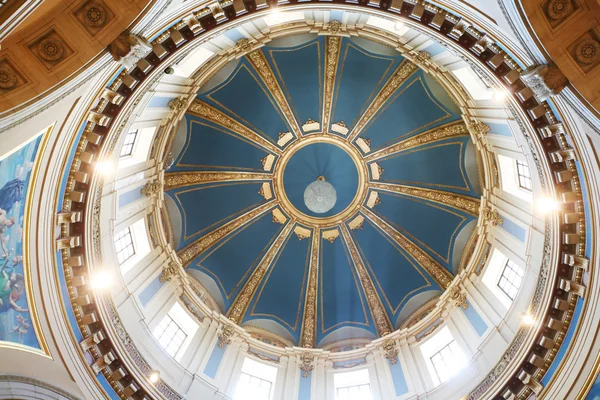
(518, 271)
(118, 251)
(164, 330)
(524, 176)
(448, 346)
(337, 389)
(129, 145)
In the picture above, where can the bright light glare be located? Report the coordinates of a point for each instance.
(399, 26)
(101, 280)
(105, 167)
(547, 205)
(499, 96)
(528, 319)
(154, 376)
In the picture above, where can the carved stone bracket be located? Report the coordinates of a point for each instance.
(225, 335)
(306, 363)
(492, 216)
(151, 188)
(170, 270)
(545, 81)
(459, 298)
(128, 49)
(390, 351)
(479, 128)
(177, 104)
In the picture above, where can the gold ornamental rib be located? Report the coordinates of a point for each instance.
(203, 110)
(404, 71)
(332, 55)
(435, 269)
(241, 302)
(309, 323)
(260, 64)
(382, 322)
(174, 180)
(453, 129)
(460, 202)
(193, 250)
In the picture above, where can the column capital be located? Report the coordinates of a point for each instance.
(545, 80)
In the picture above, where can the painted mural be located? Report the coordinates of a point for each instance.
(16, 325)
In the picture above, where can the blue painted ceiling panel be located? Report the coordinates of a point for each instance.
(300, 71)
(246, 99)
(412, 110)
(232, 261)
(282, 295)
(220, 203)
(341, 299)
(435, 234)
(202, 140)
(438, 166)
(396, 276)
(360, 76)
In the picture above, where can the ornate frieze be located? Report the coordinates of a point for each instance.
(332, 55)
(240, 304)
(460, 202)
(440, 133)
(260, 64)
(404, 71)
(439, 273)
(382, 322)
(309, 323)
(193, 250)
(174, 180)
(210, 113)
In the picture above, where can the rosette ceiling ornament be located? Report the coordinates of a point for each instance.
(323, 188)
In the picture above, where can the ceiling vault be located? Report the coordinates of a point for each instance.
(240, 304)
(174, 180)
(440, 274)
(194, 249)
(402, 73)
(260, 64)
(333, 45)
(209, 113)
(382, 321)
(460, 202)
(308, 334)
(453, 129)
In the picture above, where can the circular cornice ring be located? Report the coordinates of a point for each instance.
(290, 209)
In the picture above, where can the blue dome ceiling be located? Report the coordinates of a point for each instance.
(386, 136)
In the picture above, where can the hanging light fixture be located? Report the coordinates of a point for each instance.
(320, 196)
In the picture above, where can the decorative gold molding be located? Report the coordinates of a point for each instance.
(453, 129)
(492, 216)
(382, 322)
(306, 363)
(459, 298)
(170, 270)
(460, 202)
(332, 55)
(203, 110)
(260, 64)
(440, 274)
(225, 335)
(151, 188)
(405, 70)
(240, 304)
(193, 250)
(309, 323)
(174, 180)
(390, 351)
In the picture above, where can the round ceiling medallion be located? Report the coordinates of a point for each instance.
(333, 198)
(320, 196)
(51, 49)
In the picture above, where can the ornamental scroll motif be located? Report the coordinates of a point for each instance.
(310, 311)
(306, 363)
(459, 298)
(332, 55)
(479, 128)
(225, 335)
(151, 188)
(170, 270)
(492, 216)
(390, 351)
